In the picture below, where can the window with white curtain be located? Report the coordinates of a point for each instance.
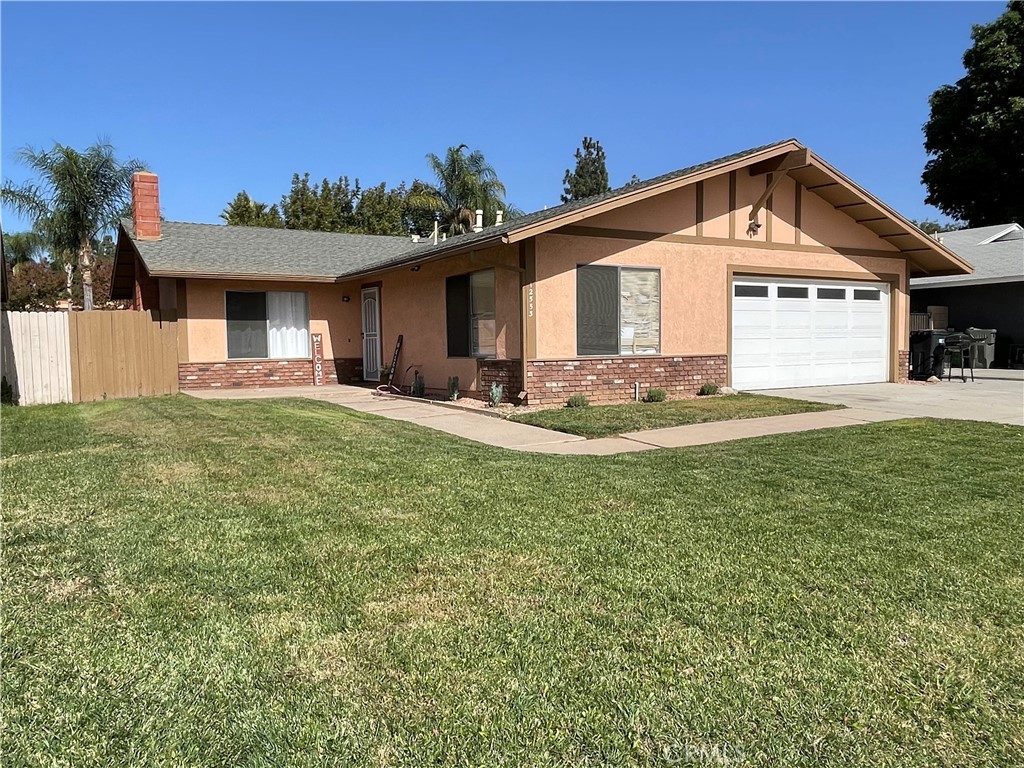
(271, 324)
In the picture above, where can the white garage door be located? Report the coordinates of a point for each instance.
(805, 333)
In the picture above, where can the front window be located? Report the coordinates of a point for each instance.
(271, 324)
(469, 302)
(618, 311)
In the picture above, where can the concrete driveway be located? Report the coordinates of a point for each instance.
(995, 395)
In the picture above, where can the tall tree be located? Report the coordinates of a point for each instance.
(243, 211)
(466, 182)
(325, 207)
(590, 176)
(382, 211)
(975, 133)
(35, 286)
(22, 248)
(77, 197)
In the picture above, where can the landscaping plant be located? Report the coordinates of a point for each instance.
(655, 395)
(497, 394)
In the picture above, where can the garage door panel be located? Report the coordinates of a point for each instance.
(796, 333)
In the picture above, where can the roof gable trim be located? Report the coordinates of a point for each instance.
(1000, 235)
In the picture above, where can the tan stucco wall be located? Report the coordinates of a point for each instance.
(328, 314)
(412, 304)
(694, 286)
(675, 212)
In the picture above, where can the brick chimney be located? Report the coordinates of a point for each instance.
(146, 205)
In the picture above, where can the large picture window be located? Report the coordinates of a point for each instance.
(272, 324)
(469, 303)
(618, 311)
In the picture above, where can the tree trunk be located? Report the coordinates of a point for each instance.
(69, 270)
(85, 262)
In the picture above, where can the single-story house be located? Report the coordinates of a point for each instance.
(766, 268)
(991, 297)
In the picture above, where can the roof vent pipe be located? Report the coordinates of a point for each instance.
(499, 218)
(479, 221)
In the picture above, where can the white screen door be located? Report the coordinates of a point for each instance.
(371, 334)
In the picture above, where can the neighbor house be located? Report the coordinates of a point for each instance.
(766, 268)
(992, 297)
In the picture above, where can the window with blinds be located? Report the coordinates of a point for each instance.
(470, 309)
(618, 311)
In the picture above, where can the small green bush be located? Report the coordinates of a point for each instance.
(497, 394)
(6, 390)
(577, 401)
(655, 395)
(708, 388)
(453, 388)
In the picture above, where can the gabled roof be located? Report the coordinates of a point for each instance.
(925, 255)
(207, 250)
(995, 252)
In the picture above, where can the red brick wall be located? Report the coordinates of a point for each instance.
(349, 370)
(265, 373)
(508, 373)
(611, 379)
(903, 369)
(146, 205)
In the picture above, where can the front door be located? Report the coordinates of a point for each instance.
(371, 333)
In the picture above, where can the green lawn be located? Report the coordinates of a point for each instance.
(285, 582)
(605, 420)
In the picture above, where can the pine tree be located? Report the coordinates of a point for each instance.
(590, 177)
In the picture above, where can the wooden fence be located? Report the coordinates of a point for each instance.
(84, 356)
(36, 357)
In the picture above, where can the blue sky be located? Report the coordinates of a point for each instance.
(220, 97)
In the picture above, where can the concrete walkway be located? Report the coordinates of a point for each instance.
(994, 395)
(499, 432)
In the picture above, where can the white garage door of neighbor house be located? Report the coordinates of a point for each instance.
(806, 333)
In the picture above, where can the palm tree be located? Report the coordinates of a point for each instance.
(465, 183)
(78, 196)
(22, 248)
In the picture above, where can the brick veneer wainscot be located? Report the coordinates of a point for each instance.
(508, 373)
(265, 373)
(903, 373)
(611, 379)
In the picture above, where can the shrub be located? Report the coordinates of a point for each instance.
(577, 401)
(6, 390)
(453, 388)
(497, 394)
(655, 395)
(419, 388)
(708, 388)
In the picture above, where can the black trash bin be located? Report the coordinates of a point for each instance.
(926, 348)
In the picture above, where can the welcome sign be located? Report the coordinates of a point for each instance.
(318, 359)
